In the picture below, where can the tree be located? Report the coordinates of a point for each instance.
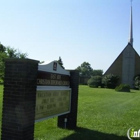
(85, 69)
(97, 73)
(60, 62)
(14, 53)
(110, 80)
(3, 56)
(8, 52)
(2, 48)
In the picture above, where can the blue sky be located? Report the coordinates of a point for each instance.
(95, 31)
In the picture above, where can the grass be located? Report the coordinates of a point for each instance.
(1, 100)
(103, 114)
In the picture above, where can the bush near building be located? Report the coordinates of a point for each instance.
(137, 81)
(95, 81)
(123, 88)
(110, 81)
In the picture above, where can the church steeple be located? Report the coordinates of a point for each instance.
(131, 27)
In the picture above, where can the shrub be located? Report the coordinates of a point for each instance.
(95, 81)
(137, 81)
(123, 88)
(110, 80)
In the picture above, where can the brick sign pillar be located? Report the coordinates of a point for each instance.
(69, 120)
(19, 98)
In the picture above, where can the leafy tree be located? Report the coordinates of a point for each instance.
(14, 53)
(2, 48)
(85, 69)
(95, 81)
(60, 62)
(3, 55)
(110, 80)
(8, 52)
(97, 73)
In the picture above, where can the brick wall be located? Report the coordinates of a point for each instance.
(19, 99)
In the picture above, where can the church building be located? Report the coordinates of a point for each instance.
(127, 64)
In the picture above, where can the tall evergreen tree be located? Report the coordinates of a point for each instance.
(60, 62)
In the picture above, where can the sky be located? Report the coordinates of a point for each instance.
(93, 31)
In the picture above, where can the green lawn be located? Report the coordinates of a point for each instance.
(103, 114)
(1, 100)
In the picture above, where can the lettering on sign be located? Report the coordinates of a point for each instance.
(52, 79)
(51, 103)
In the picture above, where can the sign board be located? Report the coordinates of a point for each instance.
(52, 79)
(53, 96)
(52, 102)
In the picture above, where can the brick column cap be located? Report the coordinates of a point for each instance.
(20, 60)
